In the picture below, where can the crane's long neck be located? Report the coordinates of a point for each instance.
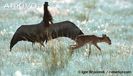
(45, 13)
(45, 8)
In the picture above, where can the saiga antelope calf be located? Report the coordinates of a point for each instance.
(91, 39)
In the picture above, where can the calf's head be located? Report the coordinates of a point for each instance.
(106, 39)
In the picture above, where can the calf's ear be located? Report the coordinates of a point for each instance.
(104, 35)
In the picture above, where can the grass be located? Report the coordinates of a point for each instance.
(91, 4)
(82, 17)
